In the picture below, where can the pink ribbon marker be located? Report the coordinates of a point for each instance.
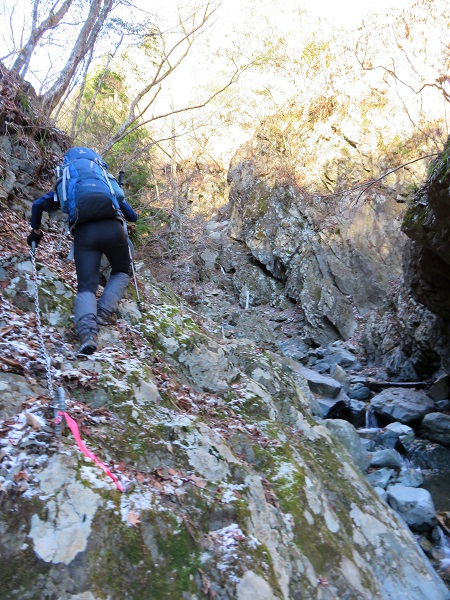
(73, 426)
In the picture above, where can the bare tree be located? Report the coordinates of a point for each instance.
(49, 22)
(98, 13)
(170, 58)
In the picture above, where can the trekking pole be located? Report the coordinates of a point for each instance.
(133, 268)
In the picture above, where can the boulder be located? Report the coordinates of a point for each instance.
(333, 408)
(382, 493)
(440, 389)
(404, 432)
(357, 412)
(347, 435)
(415, 505)
(410, 478)
(428, 455)
(381, 477)
(436, 427)
(386, 458)
(403, 405)
(338, 373)
(359, 391)
(319, 384)
(386, 438)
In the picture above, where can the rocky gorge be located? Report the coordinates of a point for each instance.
(238, 415)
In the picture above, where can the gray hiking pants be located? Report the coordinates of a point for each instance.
(91, 240)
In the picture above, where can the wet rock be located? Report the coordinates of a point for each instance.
(360, 392)
(368, 445)
(386, 458)
(436, 427)
(381, 477)
(403, 405)
(319, 384)
(332, 408)
(348, 436)
(338, 373)
(428, 455)
(357, 412)
(386, 438)
(440, 389)
(410, 478)
(338, 354)
(415, 505)
(294, 348)
(443, 405)
(404, 432)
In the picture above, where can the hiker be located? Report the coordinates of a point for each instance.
(96, 208)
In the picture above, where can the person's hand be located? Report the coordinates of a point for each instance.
(35, 236)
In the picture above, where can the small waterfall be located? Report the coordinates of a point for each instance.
(371, 419)
(443, 547)
(247, 299)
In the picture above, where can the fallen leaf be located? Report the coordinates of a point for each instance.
(5, 330)
(171, 471)
(133, 518)
(33, 422)
(20, 476)
(11, 362)
(200, 483)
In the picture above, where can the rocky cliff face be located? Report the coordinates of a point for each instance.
(336, 258)
(231, 488)
(427, 224)
(341, 259)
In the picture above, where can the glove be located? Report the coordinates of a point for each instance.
(34, 237)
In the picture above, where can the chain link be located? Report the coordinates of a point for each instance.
(48, 364)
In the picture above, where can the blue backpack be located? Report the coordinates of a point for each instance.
(84, 188)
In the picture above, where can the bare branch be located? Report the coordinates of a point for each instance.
(98, 13)
(163, 70)
(122, 133)
(52, 20)
(372, 183)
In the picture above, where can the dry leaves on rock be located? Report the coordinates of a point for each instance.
(134, 518)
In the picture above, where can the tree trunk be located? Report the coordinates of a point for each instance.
(87, 37)
(22, 61)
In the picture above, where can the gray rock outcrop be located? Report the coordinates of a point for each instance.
(436, 427)
(403, 405)
(427, 223)
(415, 505)
(328, 261)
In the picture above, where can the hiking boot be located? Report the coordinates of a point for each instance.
(88, 344)
(105, 317)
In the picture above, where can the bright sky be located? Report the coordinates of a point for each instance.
(348, 11)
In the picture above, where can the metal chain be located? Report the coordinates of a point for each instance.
(48, 364)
